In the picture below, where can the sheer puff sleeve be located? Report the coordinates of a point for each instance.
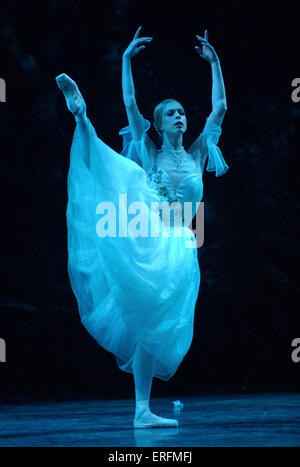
(142, 152)
(205, 147)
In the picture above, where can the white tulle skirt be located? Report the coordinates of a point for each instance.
(130, 289)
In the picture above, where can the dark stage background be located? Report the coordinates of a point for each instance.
(247, 312)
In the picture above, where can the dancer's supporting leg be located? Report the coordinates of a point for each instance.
(77, 106)
(143, 373)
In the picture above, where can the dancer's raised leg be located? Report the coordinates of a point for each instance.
(143, 373)
(77, 107)
(74, 99)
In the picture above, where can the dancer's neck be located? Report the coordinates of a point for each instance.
(172, 142)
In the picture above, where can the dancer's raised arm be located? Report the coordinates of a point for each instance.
(205, 144)
(218, 97)
(135, 119)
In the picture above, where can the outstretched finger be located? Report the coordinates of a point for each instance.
(206, 34)
(206, 44)
(143, 39)
(137, 33)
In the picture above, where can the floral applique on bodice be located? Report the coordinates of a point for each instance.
(190, 187)
(157, 178)
(189, 190)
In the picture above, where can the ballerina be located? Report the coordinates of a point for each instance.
(136, 295)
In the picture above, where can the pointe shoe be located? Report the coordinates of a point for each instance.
(74, 99)
(160, 422)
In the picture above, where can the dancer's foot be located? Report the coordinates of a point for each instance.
(74, 99)
(147, 419)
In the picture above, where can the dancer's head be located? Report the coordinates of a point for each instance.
(167, 117)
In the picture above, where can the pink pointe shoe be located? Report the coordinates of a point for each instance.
(74, 99)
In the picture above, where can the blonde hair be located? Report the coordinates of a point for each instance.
(158, 111)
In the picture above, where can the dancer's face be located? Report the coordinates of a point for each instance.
(173, 118)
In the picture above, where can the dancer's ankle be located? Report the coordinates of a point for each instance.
(80, 117)
(141, 407)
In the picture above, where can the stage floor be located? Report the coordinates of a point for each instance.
(237, 420)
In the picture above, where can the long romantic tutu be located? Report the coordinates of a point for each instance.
(130, 289)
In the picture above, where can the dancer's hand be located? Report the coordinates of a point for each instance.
(136, 45)
(207, 52)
